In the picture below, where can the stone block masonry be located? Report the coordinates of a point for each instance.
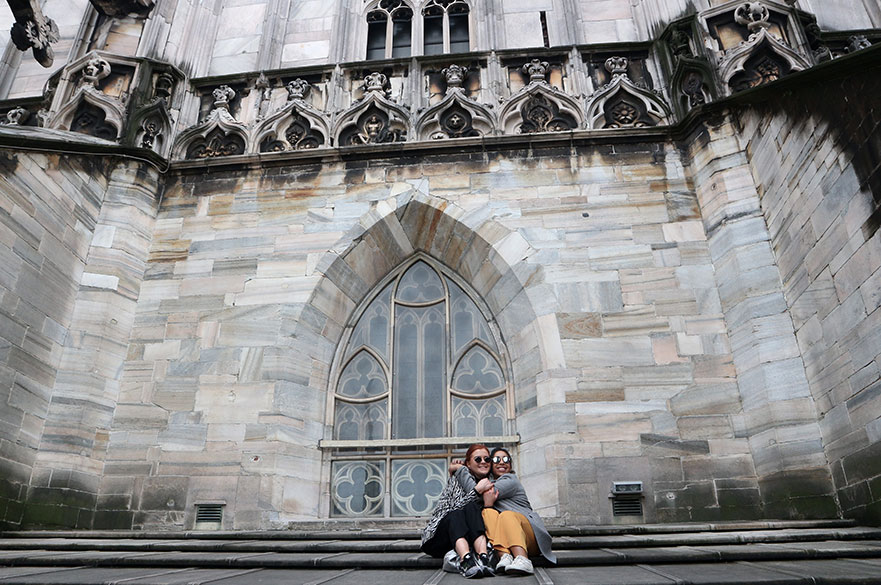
(819, 178)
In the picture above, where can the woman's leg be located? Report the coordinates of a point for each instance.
(516, 532)
(491, 521)
(476, 530)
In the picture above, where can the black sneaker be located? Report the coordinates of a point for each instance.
(470, 567)
(487, 562)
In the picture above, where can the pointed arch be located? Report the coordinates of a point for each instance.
(762, 49)
(540, 108)
(456, 116)
(623, 104)
(375, 119)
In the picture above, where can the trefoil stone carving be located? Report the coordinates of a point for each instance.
(374, 119)
(622, 103)
(219, 135)
(539, 107)
(296, 126)
(455, 116)
(763, 57)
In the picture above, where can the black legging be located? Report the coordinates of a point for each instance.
(464, 523)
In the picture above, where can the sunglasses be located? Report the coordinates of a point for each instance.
(480, 459)
(503, 459)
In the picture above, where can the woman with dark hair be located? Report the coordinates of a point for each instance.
(515, 530)
(456, 521)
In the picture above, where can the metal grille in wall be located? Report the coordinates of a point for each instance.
(422, 374)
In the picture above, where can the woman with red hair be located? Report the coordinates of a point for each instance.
(456, 521)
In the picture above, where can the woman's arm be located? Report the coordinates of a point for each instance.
(507, 485)
(465, 479)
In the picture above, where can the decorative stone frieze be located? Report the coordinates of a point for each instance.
(89, 110)
(538, 107)
(296, 126)
(456, 116)
(763, 57)
(374, 119)
(219, 135)
(621, 103)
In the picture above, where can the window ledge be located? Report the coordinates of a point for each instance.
(433, 442)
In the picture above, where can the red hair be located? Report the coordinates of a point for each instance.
(473, 448)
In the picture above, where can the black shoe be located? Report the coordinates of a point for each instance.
(470, 567)
(487, 562)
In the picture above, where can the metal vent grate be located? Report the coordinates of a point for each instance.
(626, 507)
(209, 516)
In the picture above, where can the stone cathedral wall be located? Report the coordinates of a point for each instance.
(669, 210)
(822, 208)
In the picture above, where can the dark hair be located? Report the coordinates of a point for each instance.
(506, 452)
(473, 448)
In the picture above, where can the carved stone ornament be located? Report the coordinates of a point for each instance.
(95, 70)
(617, 66)
(762, 59)
(116, 8)
(455, 76)
(17, 116)
(299, 135)
(456, 116)
(373, 127)
(622, 103)
(857, 43)
(680, 43)
(693, 88)
(753, 15)
(222, 96)
(538, 107)
(164, 86)
(298, 89)
(33, 30)
(373, 120)
(814, 34)
(536, 70)
(376, 82)
(541, 114)
(218, 135)
(92, 120)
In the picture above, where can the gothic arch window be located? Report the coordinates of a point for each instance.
(422, 373)
(389, 30)
(445, 27)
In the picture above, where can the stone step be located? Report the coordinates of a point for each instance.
(788, 554)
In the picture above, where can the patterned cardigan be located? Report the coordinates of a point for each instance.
(455, 496)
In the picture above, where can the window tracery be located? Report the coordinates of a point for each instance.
(421, 368)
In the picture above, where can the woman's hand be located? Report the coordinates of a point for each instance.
(455, 464)
(483, 485)
(489, 497)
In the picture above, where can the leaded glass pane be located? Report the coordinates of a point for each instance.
(417, 485)
(433, 33)
(419, 372)
(459, 33)
(467, 321)
(478, 373)
(478, 418)
(357, 422)
(373, 326)
(420, 284)
(362, 377)
(357, 488)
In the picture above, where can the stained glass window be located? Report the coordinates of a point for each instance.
(422, 365)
